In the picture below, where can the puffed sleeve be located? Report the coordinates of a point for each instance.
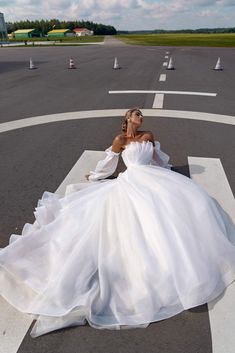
(160, 158)
(105, 167)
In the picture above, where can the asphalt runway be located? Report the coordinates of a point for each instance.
(37, 158)
(52, 88)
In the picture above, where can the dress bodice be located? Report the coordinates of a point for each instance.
(135, 153)
(138, 153)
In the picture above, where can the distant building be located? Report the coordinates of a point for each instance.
(60, 33)
(3, 28)
(83, 32)
(26, 33)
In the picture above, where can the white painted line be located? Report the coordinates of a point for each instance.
(90, 114)
(158, 101)
(222, 321)
(165, 92)
(44, 119)
(162, 77)
(13, 327)
(13, 324)
(166, 57)
(82, 167)
(209, 173)
(165, 63)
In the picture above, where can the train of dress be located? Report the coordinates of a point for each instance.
(122, 252)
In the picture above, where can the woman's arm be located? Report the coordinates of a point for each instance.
(159, 157)
(118, 143)
(149, 136)
(107, 166)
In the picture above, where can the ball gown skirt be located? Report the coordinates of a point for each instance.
(121, 252)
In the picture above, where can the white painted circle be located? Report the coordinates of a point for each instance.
(163, 113)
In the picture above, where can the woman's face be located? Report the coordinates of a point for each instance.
(136, 117)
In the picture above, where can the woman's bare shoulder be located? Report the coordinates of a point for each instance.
(118, 143)
(119, 138)
(149, 135)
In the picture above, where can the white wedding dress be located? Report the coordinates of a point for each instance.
(121, 252)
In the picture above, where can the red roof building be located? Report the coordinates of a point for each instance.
(83, 32)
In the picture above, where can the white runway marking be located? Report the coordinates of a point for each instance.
(83, 166)
(204, 171)
(13, 327)
(222, 321)
(206, 94)
(207, 172)
(165, 63)
(176, 114)
(162, 77)
(13, 324)
(158, 101)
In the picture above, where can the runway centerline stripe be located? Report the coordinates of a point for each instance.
(158, 101)
(162, 77)
(207, 172)
(164, 113)
(165, 92)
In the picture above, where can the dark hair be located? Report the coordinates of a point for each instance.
(127, 116)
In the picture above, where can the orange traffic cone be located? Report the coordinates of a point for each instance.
(71, 64)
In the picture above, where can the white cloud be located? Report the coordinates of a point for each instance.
(203, 2)
(208, 13)
(226, 2)
(127, 14)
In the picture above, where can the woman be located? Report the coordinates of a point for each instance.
(122, 252)
(130, 126)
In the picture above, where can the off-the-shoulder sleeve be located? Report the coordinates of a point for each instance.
(160, 158)
(105, 167)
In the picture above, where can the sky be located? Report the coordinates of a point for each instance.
(127, 14)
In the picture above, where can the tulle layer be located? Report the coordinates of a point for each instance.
(120, 253)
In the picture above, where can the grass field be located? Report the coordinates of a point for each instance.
(182, 39)
(85, 39)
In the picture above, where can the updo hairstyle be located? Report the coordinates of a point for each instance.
(127, 116)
